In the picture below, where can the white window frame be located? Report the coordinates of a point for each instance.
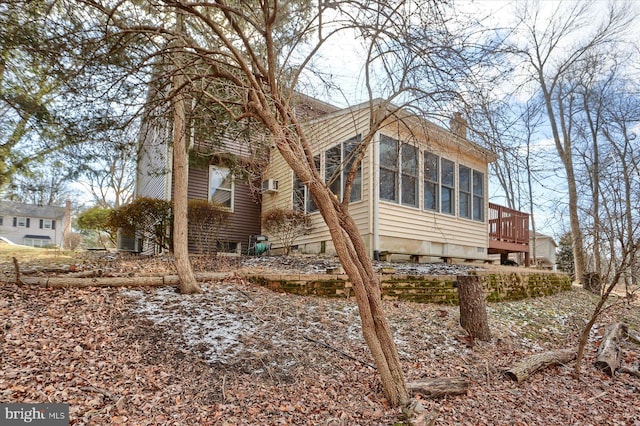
(21, 222)
(342, 168)
(465, 193)
(451, 189)
(212, 171)
(47, 224)
(478, 196)
(429, 179)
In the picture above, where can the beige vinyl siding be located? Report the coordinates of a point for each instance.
(323, 133)
(404, 229)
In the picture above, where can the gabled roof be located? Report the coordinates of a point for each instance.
(10, 208)
(401, 114)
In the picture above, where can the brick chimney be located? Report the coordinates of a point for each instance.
(458, 125)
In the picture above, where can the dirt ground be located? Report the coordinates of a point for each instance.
(239, 354)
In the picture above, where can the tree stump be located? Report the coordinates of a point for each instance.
(527, 366)
(608, 357)
(473, 310)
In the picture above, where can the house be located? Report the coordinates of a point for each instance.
(225, 167)
(35, 225)
(420, 191)
(545, 250)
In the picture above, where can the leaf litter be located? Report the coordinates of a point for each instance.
(239, 354)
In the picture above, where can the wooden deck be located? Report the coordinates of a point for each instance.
(508, 232)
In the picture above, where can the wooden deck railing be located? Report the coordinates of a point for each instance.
(508, 229)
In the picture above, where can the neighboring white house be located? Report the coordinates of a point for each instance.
(545, 250)
(34, 225)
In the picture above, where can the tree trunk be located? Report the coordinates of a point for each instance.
(608, 357)
(188, 283)
(473, 310)
(354, 259)
(526, 367)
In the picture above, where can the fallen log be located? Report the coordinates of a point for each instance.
(630, 371)
(608, 358)
(149, 281)
(439, 387)
(527, 366)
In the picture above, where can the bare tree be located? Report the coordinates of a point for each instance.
(249, 59)
(110, 175)
(554, 48)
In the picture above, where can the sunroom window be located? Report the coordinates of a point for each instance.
(448, 185)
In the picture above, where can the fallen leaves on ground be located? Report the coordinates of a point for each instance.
(239, 354)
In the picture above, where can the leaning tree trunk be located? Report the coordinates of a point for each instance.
(357, 264)
(188, 283)
(473, 310)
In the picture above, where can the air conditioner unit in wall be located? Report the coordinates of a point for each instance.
(269, 186)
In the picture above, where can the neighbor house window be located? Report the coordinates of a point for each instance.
(23, 222)
(464, 191)
(47, 224)
(447, 188)
(221, 187)
(36, 241)
(478, 196)
(431, 181)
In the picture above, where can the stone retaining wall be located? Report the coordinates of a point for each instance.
(422, 289)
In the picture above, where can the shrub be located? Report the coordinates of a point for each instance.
(206, 220)
(287, 225)
(96, 219)
(72, 241)
(151, 217)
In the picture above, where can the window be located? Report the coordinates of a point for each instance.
(398, 172)
(338, 162)
(431, 179)
(36, 241)
(1, 220)
(478, 196)
(409, 177)
(349, 154)
(448, 183)
(47, 224)
(221, 187)
(332, 176)
(464, 191)
(301, 196)
(389, 149)
(23, 222)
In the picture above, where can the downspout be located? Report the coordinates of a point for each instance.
(375, 210)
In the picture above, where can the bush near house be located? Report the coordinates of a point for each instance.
(150, 216)
(286, 225)
(206, 219)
